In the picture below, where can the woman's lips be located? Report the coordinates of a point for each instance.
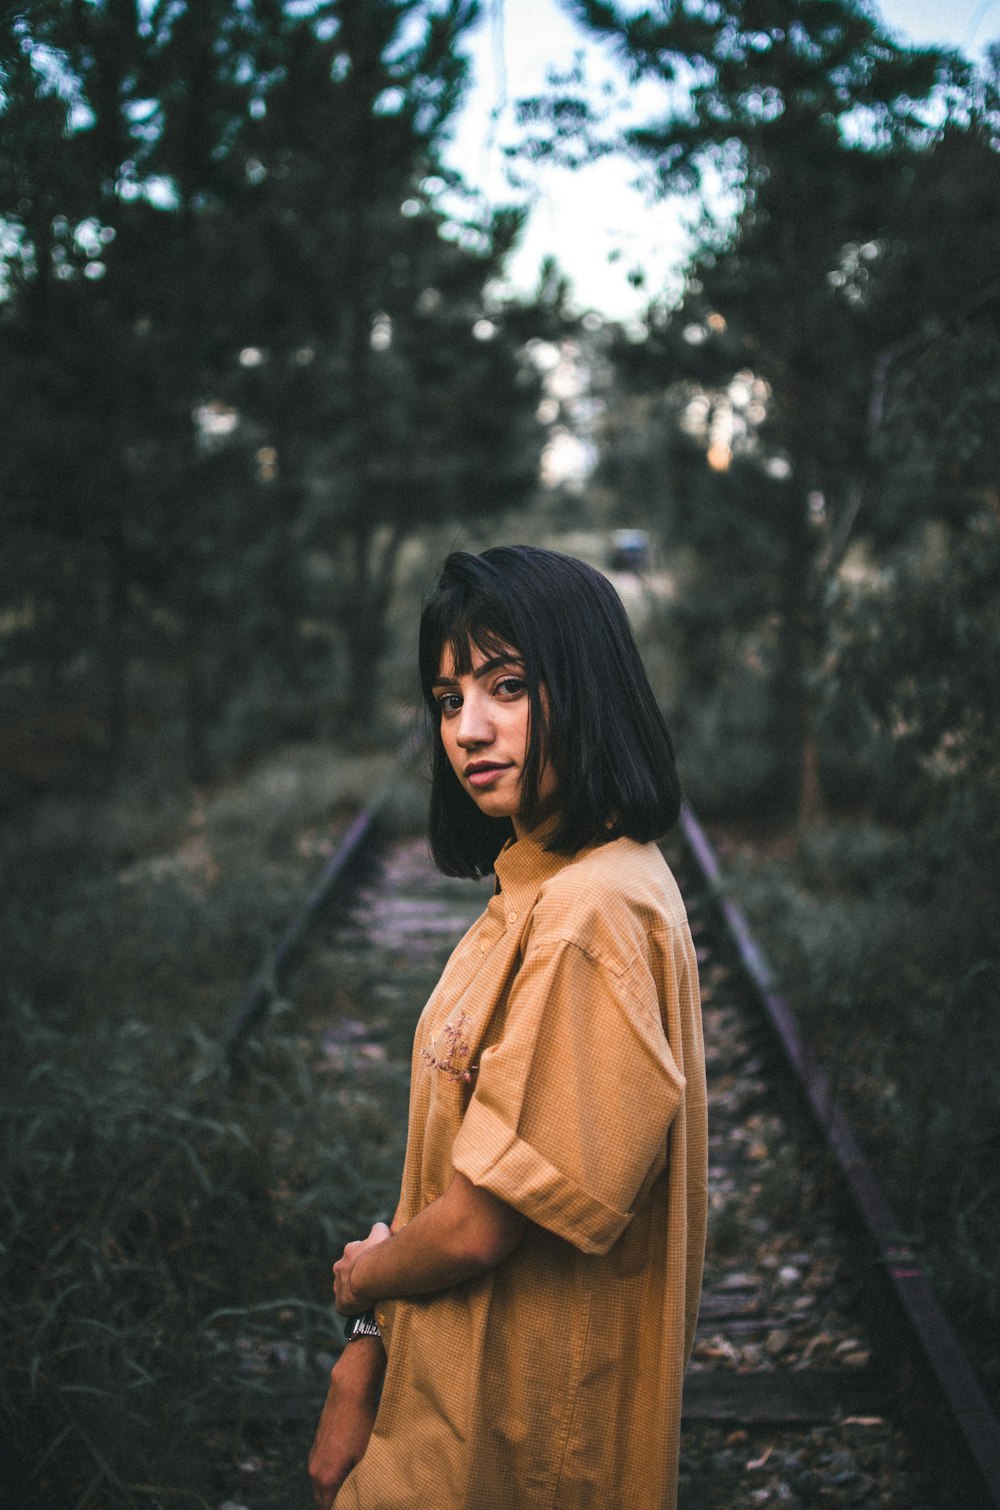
(482, 775)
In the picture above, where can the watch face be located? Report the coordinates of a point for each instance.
(364, 1325)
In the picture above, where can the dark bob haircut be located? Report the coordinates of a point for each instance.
(603, 732)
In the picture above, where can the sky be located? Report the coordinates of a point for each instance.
(597, 221)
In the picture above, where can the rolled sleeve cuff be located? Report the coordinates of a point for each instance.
(491, 1155)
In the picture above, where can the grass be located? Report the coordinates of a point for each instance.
(167, 1247)
(159, 903)
(167, 1233)
(887, 944)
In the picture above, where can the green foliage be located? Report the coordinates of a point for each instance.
(885, 926)
(166, 1249)
(835, 144)
(754, 80)
(916, 664)
(889, 939)
(889, 945)
(161, 904)
(247, 351)
(166, 1232)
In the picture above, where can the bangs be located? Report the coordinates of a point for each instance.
(464, 624)
(462, 642)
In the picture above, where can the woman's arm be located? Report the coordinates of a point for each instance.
(348, 1416)
(462, 1234)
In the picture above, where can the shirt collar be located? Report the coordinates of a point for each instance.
(524, 865)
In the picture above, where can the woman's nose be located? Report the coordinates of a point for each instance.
(475, 726)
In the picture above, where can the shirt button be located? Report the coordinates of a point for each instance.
(512, 916)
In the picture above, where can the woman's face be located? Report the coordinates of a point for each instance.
(485, 724)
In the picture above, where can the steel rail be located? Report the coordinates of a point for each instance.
(335, 878)
(952, 1424)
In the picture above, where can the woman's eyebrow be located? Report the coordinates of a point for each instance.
(497, 660)
(480, 671)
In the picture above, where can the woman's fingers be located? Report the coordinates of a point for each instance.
(345, 1296)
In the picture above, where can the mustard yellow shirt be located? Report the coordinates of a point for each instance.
(559, 1063)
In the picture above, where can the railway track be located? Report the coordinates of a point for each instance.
(920, 1372)
(798, 1395)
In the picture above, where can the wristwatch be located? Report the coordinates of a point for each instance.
(364, 1325)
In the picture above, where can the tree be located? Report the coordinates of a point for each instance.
(812, 117)
(113, 320)
(390, 386)
(241, 338)
(934, 299)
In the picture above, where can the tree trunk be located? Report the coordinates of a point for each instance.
(116, 656)
(790, 710)
(196, 734)
(810, 790)
(365, 628)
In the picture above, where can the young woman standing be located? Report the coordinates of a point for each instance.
(534, 1301)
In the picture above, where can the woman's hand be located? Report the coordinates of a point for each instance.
(348, 1416)
(349, 1301)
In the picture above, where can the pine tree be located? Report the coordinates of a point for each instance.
(812, 116)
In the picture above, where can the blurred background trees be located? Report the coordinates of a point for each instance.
(801, 324)
(245, 355)
(252, 343)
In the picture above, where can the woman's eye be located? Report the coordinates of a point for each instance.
(510, 686)
(449, 702)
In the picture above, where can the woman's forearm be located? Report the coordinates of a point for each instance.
(348, 1416)
(462, 1234)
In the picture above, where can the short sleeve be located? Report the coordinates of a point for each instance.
(572, 1106)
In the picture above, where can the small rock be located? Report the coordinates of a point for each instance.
(785, 1495)
(736, 1282)
(844, 1467)
(777, 1341)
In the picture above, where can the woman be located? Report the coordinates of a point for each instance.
(535, 1298)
